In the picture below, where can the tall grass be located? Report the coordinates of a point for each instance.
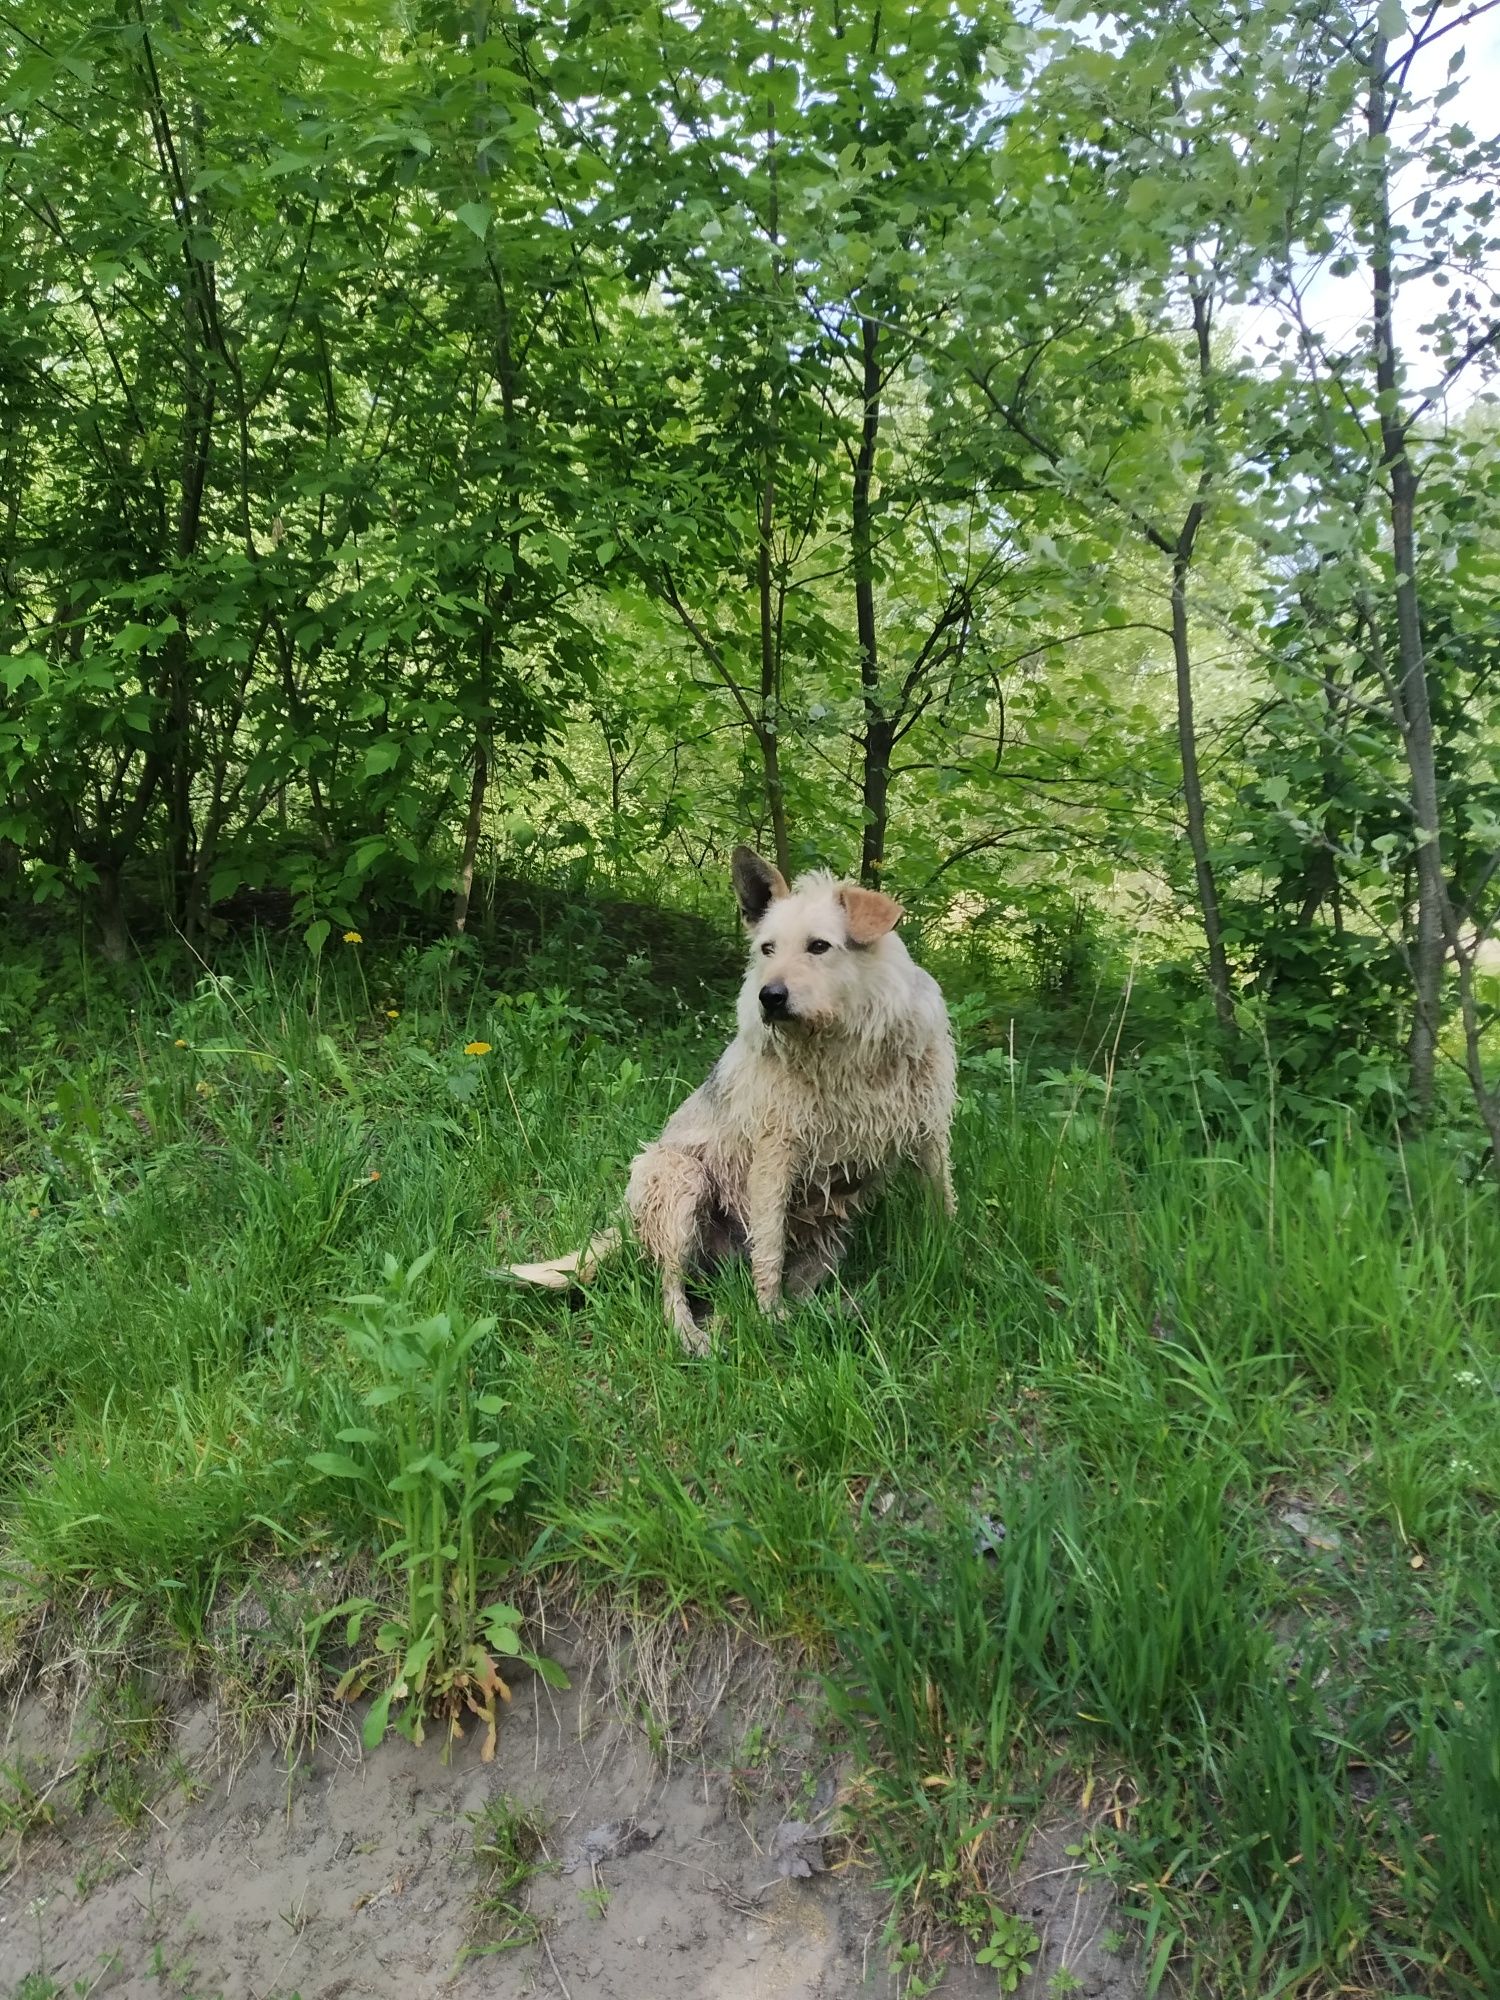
(1166, 1480)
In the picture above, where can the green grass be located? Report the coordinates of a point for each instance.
(1152, 1334)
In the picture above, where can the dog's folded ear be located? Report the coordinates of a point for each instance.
(756, 884)
(868, 912)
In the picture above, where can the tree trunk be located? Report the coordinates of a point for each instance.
(768, 734)
(1411, 695)
(770, 756)
(1192, 786)
(1182, 658)
(879, 730)
(114, 939)
(472, 824)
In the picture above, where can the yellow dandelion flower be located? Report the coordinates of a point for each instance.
(33, 1213)
(353, 937)
(477, 1048)
(179, 1043)
(393, 1013)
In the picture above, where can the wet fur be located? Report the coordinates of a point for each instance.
(796, 1124)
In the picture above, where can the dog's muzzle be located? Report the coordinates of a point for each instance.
(775, 1002)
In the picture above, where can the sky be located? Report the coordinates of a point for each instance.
(1338, 307)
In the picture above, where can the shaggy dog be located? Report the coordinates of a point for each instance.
(843, 1064)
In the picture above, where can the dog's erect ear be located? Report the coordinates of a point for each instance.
(869, 912)
(756, 884)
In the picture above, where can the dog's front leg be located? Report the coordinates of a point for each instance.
(767, 1194)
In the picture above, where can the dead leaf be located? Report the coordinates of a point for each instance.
(797, 1849)
(605, 1843)
(1316, 1534)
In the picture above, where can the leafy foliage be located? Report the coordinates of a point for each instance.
(921, 436)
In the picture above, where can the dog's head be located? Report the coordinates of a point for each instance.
(817, 949)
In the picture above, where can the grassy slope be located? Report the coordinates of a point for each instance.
(1138, 1350)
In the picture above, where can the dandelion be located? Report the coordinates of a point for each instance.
(179, 1043)
(353, 937)
(34, 1213)
(477, 1048)
(374, 1174)
(393, 1013)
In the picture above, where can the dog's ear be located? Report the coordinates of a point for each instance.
(756, 884)
(869, 913)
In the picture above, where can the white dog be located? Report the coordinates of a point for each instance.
(842, 1065)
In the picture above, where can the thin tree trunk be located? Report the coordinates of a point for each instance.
(114, 939)
(1412, 703)
(1192, 785)
(505, 374)
(879, 729)
(472, 824)
(1182, 657)
(768, 735)
(1485, 1100)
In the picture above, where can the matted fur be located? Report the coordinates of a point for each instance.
(800, 1117)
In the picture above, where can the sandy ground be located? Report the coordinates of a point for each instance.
(350, 1875)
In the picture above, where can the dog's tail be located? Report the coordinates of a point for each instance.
(561, 1274)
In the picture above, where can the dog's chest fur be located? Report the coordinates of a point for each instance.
(845, 1110)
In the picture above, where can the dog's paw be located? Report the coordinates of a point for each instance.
(693, 1334)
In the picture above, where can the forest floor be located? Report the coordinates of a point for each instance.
(1113, 1596)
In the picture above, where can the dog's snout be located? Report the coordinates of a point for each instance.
(773, 1000)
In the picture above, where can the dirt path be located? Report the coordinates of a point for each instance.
(352, 1876)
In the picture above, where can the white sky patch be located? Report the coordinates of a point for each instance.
(1338, 309)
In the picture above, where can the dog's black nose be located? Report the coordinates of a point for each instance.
(773, 1001)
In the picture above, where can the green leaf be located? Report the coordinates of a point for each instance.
(18, 668)
(475, 216)
(378, 1720)
(335, 1465)
(316, 935)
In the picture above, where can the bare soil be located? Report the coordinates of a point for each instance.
(339, 1874)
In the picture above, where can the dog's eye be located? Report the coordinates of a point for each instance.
(767, 948)
(818, 945)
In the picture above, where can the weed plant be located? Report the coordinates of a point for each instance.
(425, 1473)
(508, 1838)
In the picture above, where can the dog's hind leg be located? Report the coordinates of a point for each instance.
(670, 1196)
(931, 1156)
(814, 1260)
